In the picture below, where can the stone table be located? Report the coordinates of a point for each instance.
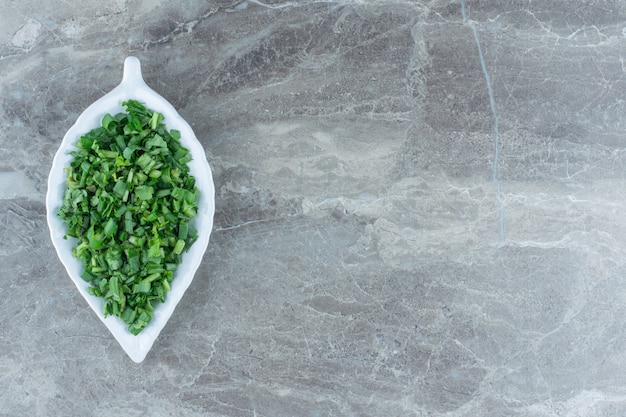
(419, 208)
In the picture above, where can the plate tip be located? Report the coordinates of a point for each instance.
(132, 70)
(131, 60)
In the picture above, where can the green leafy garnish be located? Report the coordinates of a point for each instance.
(129, 201)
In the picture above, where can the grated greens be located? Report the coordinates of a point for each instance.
(129, 201)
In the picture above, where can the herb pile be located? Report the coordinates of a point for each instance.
(129, 201)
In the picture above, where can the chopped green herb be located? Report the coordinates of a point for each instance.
(129, 201)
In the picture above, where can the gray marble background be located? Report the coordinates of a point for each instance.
(419, 208)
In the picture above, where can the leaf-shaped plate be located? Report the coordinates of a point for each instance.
(133, 87)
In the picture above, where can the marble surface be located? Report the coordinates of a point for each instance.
(419, 208)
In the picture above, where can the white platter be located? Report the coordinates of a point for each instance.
(133, 87)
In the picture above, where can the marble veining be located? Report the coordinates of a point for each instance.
(496, 131)
(419, 208)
